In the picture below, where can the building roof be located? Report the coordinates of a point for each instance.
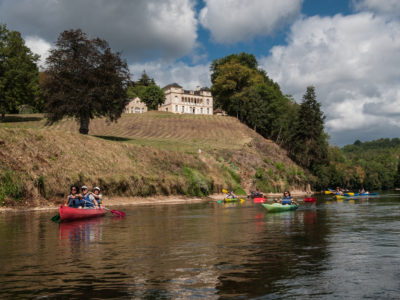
(172, 85)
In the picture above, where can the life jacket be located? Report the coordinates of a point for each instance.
(74, 202)
(87, 201)
(286, 200)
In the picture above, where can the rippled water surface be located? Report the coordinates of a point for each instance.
(334, 249)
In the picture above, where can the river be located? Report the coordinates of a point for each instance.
(330, 250)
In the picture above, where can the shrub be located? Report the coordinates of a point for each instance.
(11, 186)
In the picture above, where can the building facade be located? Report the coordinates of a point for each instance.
(180, 101)
(135, 106)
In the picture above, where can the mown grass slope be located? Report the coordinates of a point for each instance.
(146, 154)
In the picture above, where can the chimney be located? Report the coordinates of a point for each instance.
(198, 88)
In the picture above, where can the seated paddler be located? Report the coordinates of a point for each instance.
(88, 201)
(74, 199)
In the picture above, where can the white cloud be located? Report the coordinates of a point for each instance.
(189, 77)
(232, 21)
(385, 7)
(353, 63)
(141, 28)
(38, 46)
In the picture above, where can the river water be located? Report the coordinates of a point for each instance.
(331, 250)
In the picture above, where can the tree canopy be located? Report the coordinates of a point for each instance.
(309, 146)
(18, 72)
(148, 92)
(243, 90)
(84, 79)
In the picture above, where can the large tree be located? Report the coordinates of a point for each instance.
(245, 91)
(84, 79)
(18, 72)
(309, 146)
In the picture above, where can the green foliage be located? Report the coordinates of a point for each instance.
(243, 90)
(198, 185)
(309, 146)
(18, 72)
(239, 191)
(373, 165)
(148, 92)
(84, 80)
(235, 176)
(153, 96)
(10, 186)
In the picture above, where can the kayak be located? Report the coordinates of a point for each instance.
(368, 194)
(70, 213)
(277, 207)
(259, 200)
(358, 196)
(310, 200)
(231, 199)
(350, 194)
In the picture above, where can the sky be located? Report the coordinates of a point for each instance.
(349, 50)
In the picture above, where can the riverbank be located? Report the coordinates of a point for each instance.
(156, 200)
(140, 156)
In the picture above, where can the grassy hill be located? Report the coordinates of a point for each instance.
(140, 155)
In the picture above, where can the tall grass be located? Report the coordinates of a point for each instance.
(11, 186)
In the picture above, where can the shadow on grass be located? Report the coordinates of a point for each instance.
(113, 138)
(16, 119)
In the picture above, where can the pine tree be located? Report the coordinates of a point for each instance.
(309, 146)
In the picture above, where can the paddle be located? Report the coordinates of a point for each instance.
(56, 218)
(310, 200)
(112, 211)
(115, 212)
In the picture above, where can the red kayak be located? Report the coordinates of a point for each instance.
(260, 200)
(70, 213)
(310, 200)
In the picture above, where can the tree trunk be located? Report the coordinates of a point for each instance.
(84, 128)
(3, 117)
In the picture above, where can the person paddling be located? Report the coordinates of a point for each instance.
(287, 199)
(99, 197)
(87, 198)
(74, 199)
(338, 192)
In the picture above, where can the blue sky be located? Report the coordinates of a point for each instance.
(349, 50)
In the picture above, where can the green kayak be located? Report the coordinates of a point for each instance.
(277, 207)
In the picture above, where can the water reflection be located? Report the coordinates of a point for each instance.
(81, 230)
(205, 250)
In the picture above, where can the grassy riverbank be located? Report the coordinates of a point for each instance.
(141, 155)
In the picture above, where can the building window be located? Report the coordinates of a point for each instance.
(166, 109)
(208, 111)
(137, 110)
(208, 101)
(183, 109)
(201, 110)
(176, 108)
(194, 110)
(131, 109)
(143, 110)
(176, 99)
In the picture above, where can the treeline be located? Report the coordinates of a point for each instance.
(245, 91)
(374, 165)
